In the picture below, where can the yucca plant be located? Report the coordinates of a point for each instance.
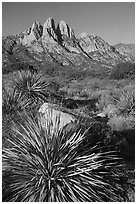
(126, 103)
(32, 86)
(13, 107)
(11, 102)
(46, 165)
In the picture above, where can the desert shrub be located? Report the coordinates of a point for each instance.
(122, 83)
(123, 70)
(31, 86)
(121, 123)
(104, 97)
(66, 71)
(86, 86)
(14, 105)
(126, 102)
(46, 165)
(11, 102)
(120, 99)
(13, 65)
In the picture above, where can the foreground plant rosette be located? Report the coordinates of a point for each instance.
(47, 164)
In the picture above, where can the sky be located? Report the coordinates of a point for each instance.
(112, 21)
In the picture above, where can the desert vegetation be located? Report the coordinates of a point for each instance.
(58, 166)
(123, 70)
(88, 160)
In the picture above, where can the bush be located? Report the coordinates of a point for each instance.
(123, 70)
(12, 102)
(31, 86)
(46, 165)
(121, 123)
(104, 97)
(14, 105)
(126, 102)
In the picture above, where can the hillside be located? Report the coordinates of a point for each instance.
(127, 50)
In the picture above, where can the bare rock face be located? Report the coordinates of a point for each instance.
(49, 113)
(92, 43)
(37, 29)
(99, 49)
(49, 29)
(31, 34)
(127, 50)
(66, 37)
(65, 29)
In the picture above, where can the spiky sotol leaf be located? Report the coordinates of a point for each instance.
(32, 86)
(53, 166)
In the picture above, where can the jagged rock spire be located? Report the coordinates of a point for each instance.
(37, 29)
(49, 29)
(31, 34)
(49, 24)
(65, 29)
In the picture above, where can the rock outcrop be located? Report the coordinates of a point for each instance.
(58, 118)
(99, 49)
(127, 50)
(31, 34)
(49, 30)
(37, 29)
(64, 29)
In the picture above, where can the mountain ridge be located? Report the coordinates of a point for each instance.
(52, 43)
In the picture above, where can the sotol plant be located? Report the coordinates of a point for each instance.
(32, 86)
(12, 102)
(46, 165)
(12, 106)
(126, 103)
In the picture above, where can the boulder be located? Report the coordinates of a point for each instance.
(48, 113)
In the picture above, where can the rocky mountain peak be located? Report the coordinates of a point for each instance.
(32, 33)
(49, 24)
(49, 29)
(37, 29)
(65, 29)
(35, 24)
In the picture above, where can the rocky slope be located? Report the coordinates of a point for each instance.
(57, 45)
(127, 50)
